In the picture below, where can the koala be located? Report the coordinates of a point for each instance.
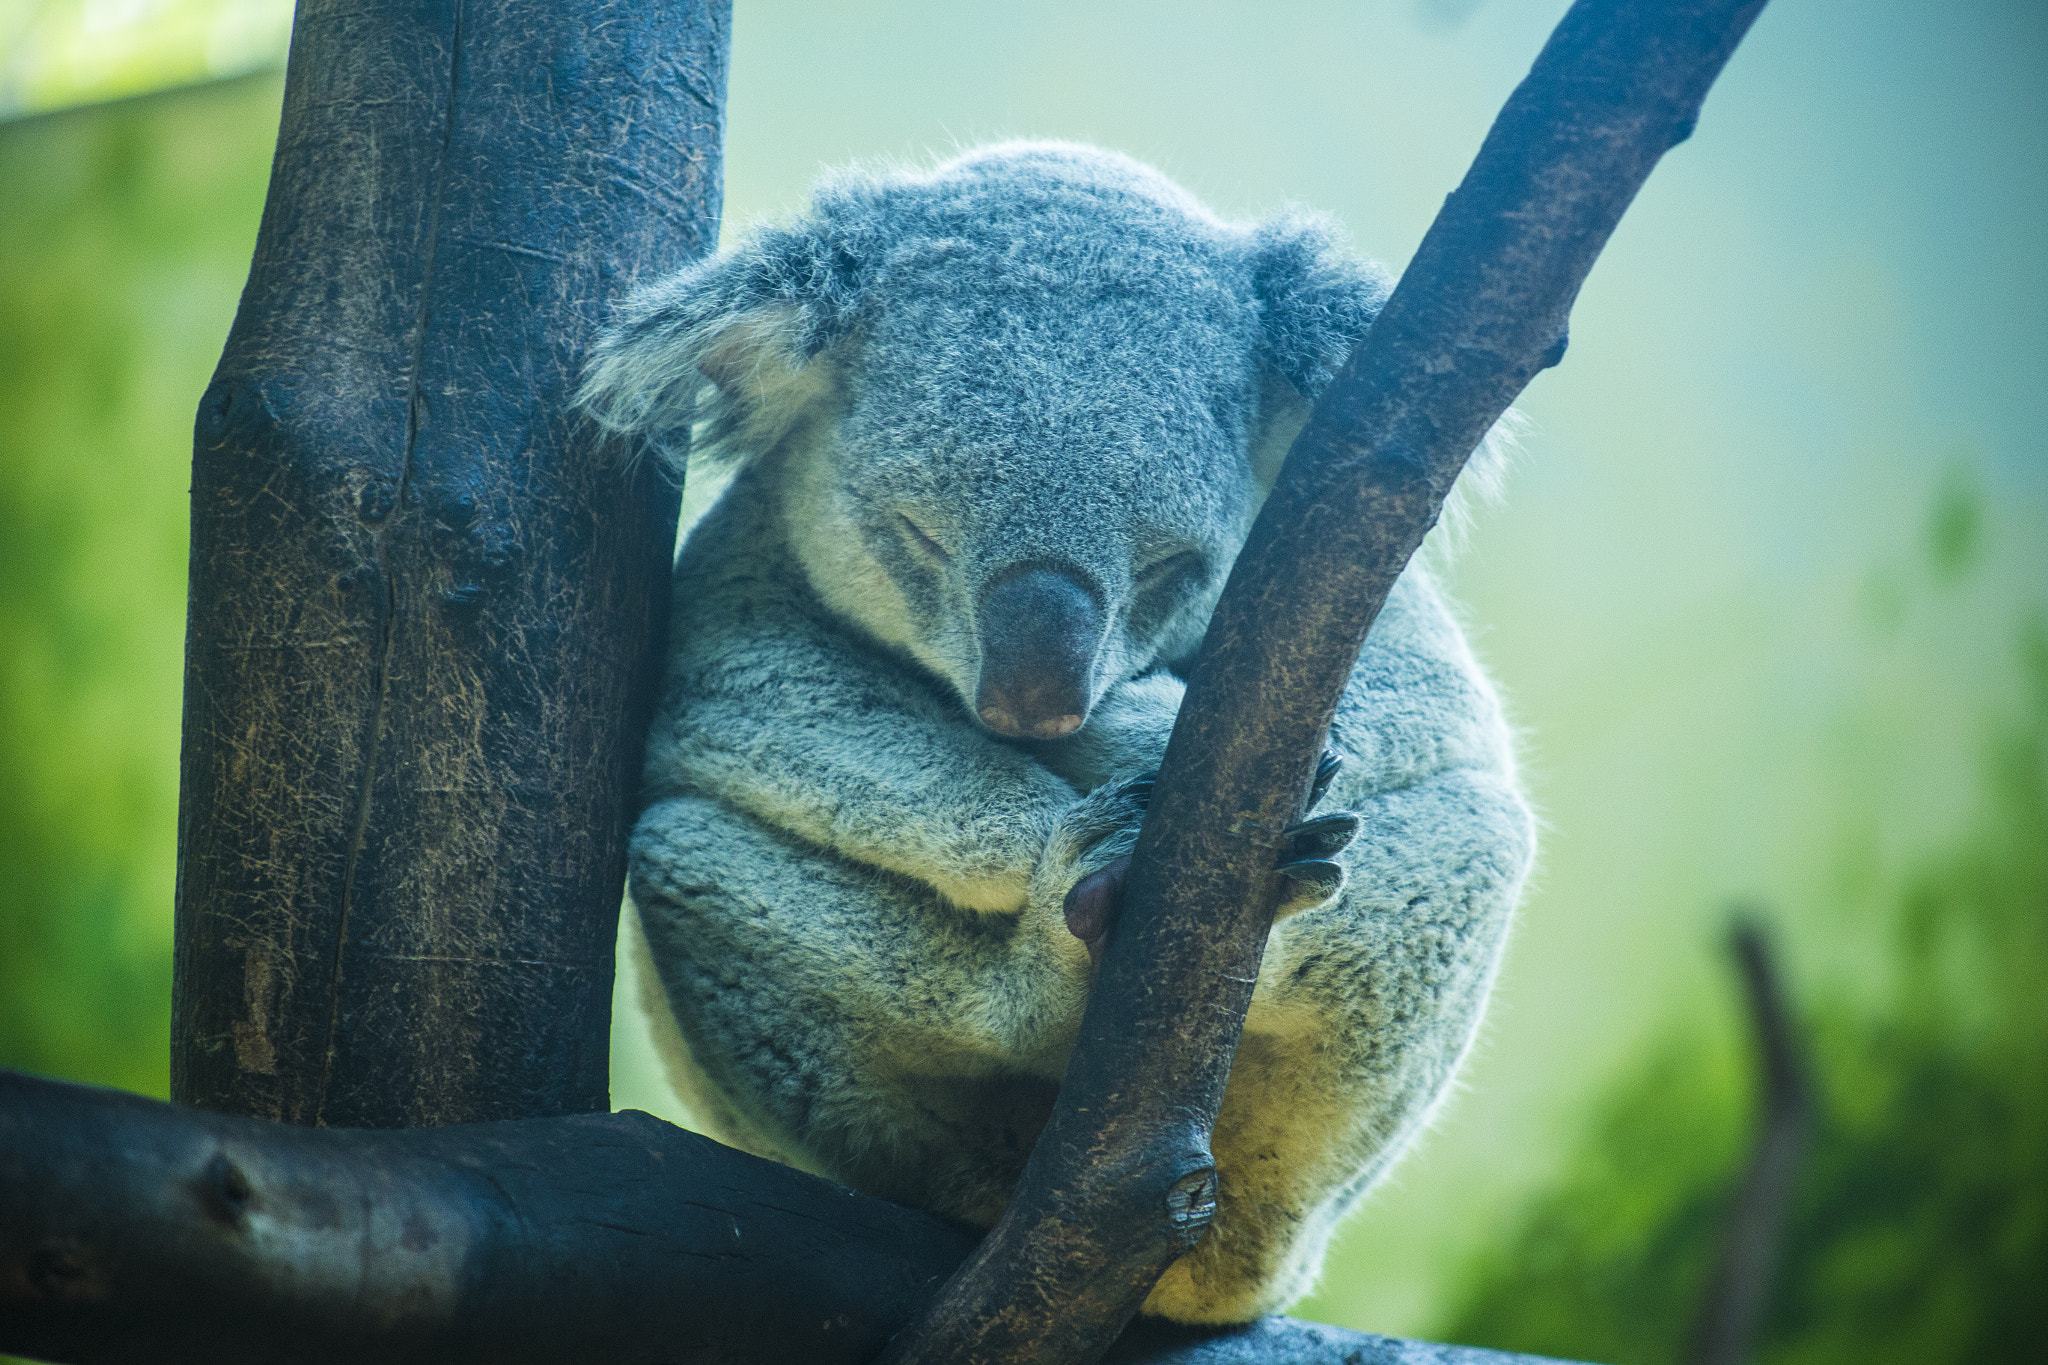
(995, 433)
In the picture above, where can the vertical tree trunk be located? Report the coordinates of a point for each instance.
(426, 607)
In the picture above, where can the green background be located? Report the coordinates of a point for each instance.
(1765, 595)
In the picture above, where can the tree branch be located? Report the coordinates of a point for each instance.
(1122, 1180)
(132, 1230)
(144, 1233)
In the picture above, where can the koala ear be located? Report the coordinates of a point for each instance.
(1315, 300)
(750, 324)
(1316, 303)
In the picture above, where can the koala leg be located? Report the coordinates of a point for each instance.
(1364, 1008)
(851, 1021)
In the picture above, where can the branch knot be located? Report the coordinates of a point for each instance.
(1191, 1207)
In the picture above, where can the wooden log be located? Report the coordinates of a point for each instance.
(135, 1232)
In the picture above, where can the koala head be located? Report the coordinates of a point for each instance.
(1020, 410)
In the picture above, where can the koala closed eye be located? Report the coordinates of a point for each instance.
(923, 539)
(1183, 561)
(1187, 564)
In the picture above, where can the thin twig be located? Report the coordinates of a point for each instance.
(1736, 1295)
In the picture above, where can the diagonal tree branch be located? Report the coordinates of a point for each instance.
(1122, 1180)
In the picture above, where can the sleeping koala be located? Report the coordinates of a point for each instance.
(999, 430)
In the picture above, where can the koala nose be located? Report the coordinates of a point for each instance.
(1039, 632)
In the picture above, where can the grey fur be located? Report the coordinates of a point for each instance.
(1036, 355)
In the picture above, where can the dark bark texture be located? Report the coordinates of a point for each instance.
(1117, 1185)
(426, 606)
(134, 1232)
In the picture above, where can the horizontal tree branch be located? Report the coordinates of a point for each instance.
(1122, 1181)
(146, 1233)
(132, 1230)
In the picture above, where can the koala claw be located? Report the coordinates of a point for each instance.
(1305, 858)
(1319, 875)
(1326, 773)
(1310, 882)
(1322, 836)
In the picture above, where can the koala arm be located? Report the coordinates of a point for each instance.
(770, 707)
(850, 1021)
(1125, 735)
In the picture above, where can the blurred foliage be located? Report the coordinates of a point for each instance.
(1919, 1234)
(123, 242)
(1955, 526)
(57, 53)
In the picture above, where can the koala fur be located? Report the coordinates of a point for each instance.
(999, 430)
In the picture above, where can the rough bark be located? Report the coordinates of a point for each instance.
(1122, 1180)
(426, 607)
(143, 1233)
(133, 1231)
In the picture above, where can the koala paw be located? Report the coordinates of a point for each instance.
(1086, 862)
(1305, 861)
(1306, 858)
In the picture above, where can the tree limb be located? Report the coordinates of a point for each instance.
(144, 1233)
(133, 1231)
(1122, 1181)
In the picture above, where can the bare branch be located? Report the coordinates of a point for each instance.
(136, 1231)
(1122, 1181)
(145, 1233)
